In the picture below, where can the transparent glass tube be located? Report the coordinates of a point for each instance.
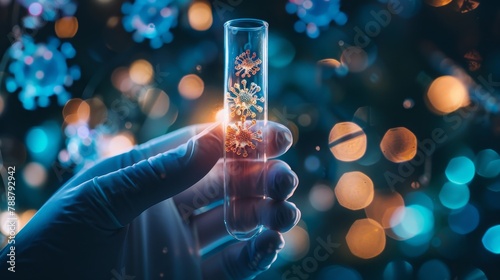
(245, 104)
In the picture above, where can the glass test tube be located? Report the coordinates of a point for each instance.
(245, 104)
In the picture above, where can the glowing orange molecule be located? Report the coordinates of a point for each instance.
(239, 137)
(347, 141)
(247, 64)
(244, 100)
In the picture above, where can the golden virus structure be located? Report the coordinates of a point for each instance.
(242, 100)
(247, 64)
(239, 136)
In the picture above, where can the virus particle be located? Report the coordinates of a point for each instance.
(239, 136)
(48, 10)
(81, 146)
(315, 14)
(40, 70)
(247, 64)
(150, 19)
(243, 100)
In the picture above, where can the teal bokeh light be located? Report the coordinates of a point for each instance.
(464, 220)
(487, 163)
(434, 270)
(398, 270)
(338, 272)
(454, 196)
(491, 239)
(413, 223)
(460, 170)
(37, 140)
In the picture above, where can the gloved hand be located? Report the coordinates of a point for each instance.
(148, 213)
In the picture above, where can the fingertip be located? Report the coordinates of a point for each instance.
(280, 139)
(282, 181)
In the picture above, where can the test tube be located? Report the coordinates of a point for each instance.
(245, 105)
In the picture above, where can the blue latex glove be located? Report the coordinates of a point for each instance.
(145, 215)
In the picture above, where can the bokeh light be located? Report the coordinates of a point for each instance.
(281, 51)
(119, 144)
(154, 103)
(347, 141)
(454, 196)
(475, 274)
(25, 217)
(412, 221)
(491, 239)
(150, 20)
(366, 238)
(120, 79)
(383, 207)
(460, 170)
(200, 15)
(447, 94)
(399, 145)
(312, 163)
(66, 27)
(338, 272)
(438, 3)
(355, 58)
(329, 67)
(297, 240)
(5, 223)
(141, 72)
(34, 174)
(354, 190)
(464, 220)
(433, 270)
(76, 110)
(37, 140)
(396, 270)
(191, 86)
(321, 197)
(487, 163)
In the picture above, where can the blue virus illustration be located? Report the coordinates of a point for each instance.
(40, 71)
(150, 19)
(315, 15)
(48, 10)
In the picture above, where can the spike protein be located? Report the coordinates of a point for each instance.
(240, 136)
(151, 20)
(247, 64)
(243, 100)
(40, 71)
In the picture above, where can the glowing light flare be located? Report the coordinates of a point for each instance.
(347, 141)
(366, 238)
(399, 145)
(383, 207)
(354, 190)
(34, 174)
(222, 116)
(447, 94)
(460, 170)
(297, 240)
(191, 87)
(321, 197)
(200, 16)
(155, 103)
(141, 72)
(66, 27)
